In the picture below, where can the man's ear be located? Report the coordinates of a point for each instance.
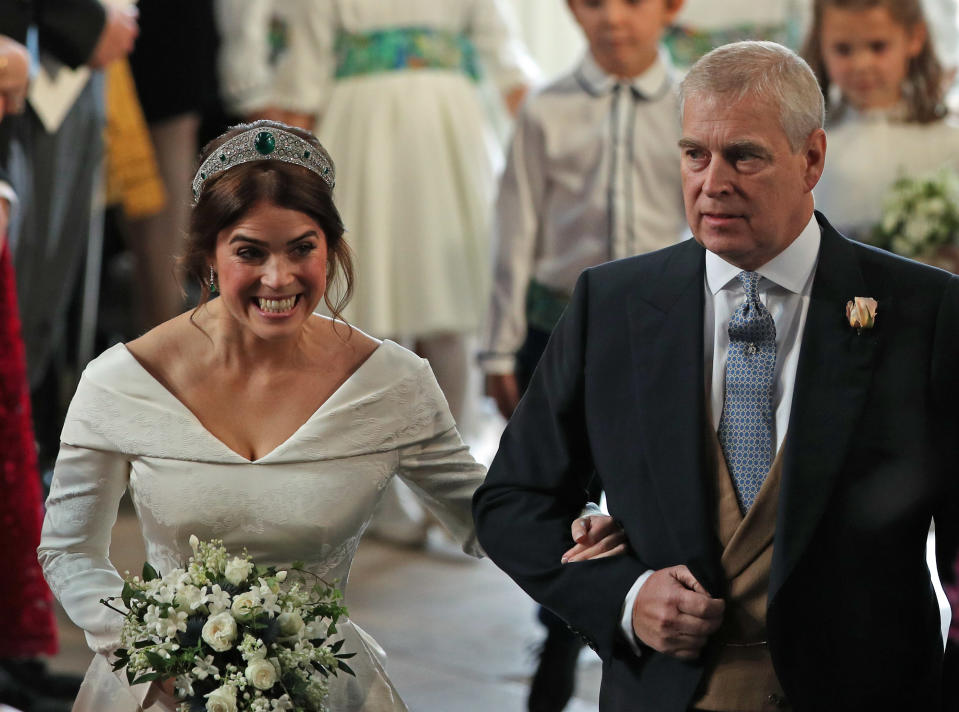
(814, 155)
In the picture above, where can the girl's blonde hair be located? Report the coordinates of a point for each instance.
(925, 80)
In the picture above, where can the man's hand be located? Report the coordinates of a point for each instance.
(503, 388)
(674, 615)
(596, 537)
(14, 76)
(117, 37)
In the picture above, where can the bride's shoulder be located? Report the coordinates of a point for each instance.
(169, 347)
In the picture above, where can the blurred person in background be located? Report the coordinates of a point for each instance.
(394, 89)
(29, 630)
(56, 152)
(591, 176)
(177, 40)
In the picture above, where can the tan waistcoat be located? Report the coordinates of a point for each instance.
(739, 674)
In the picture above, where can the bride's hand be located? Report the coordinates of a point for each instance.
(596, 536)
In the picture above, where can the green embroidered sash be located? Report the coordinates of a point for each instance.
(544, 306)
(402, 48)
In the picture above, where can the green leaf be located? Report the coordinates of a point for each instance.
(335, 648)
(345, 668)
(149, 573)
(149, 677)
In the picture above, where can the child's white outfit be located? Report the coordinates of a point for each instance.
(866, 152)
(592, 175)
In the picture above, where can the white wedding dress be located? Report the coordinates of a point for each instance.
(309, 499)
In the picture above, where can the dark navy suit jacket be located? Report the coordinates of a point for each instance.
(871, 455)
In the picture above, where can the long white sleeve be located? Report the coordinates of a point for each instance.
(495, 34)
(75, 542)
(517, 224)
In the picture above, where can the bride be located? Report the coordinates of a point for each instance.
(251, 419)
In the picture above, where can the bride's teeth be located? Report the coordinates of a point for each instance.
(276, 306)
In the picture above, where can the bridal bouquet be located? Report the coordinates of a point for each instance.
(920, 217)
(233, 636)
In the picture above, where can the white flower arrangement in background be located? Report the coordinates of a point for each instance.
(920, 215)
(233, 636)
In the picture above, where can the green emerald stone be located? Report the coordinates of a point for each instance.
(306, 154)
(264, 144)
(222, 158)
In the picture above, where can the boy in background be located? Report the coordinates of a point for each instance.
(592, 175)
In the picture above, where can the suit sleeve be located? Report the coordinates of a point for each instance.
(946, 392)
(536, 486)
(70, 29)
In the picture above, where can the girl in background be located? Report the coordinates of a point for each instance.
(884, 89)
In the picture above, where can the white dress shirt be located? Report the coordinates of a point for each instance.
(592, 175)
(785, 289)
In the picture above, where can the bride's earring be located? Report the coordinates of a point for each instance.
(213, 287)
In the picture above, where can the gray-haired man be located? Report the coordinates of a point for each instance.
(774, 456)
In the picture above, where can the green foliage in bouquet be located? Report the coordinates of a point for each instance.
(234, 636)
(920, 215)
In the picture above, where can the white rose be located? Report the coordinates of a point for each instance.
(244, 605)
(237, 570)
(189, 597)
(262, 674)
(219, 631)
(222, 699)
(290, 624)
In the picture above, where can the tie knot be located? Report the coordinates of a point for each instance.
(750, 282)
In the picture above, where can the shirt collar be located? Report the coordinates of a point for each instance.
(651, 84)
(790, 269)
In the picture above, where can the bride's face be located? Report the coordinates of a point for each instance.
(271, 269)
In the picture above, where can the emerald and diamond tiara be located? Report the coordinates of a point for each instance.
(263, 144)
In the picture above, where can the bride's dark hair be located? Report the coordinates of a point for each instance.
(227, 197)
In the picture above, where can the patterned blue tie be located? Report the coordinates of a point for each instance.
(747, 427)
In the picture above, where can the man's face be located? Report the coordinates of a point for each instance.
(747, 194)
(623, 35)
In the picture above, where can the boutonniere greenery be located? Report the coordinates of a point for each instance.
(861, 313)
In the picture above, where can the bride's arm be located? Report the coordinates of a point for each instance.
(75, 543)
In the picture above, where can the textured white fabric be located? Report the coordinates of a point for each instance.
(866, 153)
(416, 159)
(309, 499)
(592, 175)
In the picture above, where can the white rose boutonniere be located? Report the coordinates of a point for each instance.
(861, 313)
(219, 631)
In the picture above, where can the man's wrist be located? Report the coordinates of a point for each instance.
(626, 621)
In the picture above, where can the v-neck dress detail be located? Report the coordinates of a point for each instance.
(309, 499)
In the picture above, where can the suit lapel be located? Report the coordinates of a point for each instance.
(666, 341)
(832, 382)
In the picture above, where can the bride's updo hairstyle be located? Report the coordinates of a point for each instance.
(226, 197)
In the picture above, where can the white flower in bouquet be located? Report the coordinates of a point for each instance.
(190, 597)
(222, 699)
(219, 631)
(205, 668)
(218, 600)
(262, 674)
(245, 605)
(234, 637)
(291, 624)
(238, 570)
(920, 215)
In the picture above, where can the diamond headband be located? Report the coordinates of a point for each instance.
(258, 144)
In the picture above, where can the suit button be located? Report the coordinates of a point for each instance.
(777, 700)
